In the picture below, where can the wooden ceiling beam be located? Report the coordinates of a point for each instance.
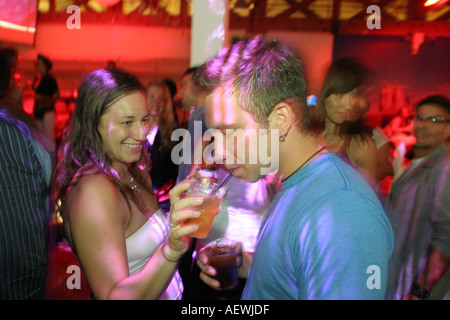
(397, 28)
(351, 26)
(257, 22)
(294, 7)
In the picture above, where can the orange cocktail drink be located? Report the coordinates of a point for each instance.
(209, 207)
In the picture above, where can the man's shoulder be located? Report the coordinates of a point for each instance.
(11, 129)
(438, 160)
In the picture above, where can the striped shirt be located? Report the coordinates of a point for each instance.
(24, 209)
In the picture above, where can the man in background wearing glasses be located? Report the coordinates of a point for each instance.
(419, 210)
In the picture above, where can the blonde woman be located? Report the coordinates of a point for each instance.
(159, 145)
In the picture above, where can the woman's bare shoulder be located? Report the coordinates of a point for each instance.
(95, 185)
(364, 142)
(92, 193)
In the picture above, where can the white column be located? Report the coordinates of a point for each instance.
(209, 31)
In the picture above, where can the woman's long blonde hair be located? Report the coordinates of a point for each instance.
(166, 119)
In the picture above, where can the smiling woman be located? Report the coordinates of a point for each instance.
(126, 245)
(105, 101)
(124, 128)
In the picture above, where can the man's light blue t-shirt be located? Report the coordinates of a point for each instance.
(326, 236)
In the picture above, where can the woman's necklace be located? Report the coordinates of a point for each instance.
(304, 163)
(134, 186)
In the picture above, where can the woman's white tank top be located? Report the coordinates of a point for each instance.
(142, 244)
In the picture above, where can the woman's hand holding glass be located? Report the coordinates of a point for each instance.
(183, 208)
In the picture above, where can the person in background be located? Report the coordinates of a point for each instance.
(385, 167)
(159, 145)
(178, 110)
(399, 129)
(385, 170)
(111, 65)
(172, 86)
(46, 92)
(325, 228)
(192, 98)
(26, 163)
(343, 90)
(127, 246)
(16, 89)
(419, 209)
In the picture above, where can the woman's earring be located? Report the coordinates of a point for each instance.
(282, 137)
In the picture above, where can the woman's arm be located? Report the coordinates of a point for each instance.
(363, 153)
(97, 229)
(384, 164)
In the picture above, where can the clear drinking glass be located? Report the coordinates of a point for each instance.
(209, 208)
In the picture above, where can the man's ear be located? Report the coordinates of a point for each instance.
(281, 118)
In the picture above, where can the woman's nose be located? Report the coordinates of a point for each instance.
(142, 131)
(349, 102)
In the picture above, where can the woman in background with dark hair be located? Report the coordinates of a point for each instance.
(127, 247)
(46, 93)
(343, 131)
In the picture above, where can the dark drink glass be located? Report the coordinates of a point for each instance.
(222, 255)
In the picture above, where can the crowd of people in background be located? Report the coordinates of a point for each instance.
(346, 196)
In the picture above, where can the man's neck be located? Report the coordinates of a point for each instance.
(295, 153)
(422, 152)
